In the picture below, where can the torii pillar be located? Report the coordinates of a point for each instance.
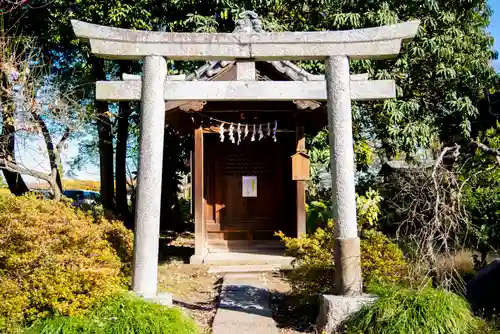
(149, 178)
(347, 244)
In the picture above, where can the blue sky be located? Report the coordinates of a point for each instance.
(495, 27)
(34, 152)
(34, 156)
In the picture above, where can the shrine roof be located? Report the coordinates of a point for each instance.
(286, 68)
(249, 22)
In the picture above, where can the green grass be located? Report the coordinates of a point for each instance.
(423, 311)
(124, 314)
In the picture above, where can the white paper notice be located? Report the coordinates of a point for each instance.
(249, 186)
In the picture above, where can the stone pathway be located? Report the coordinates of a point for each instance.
(244, 306)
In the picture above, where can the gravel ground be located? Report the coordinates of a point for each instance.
(291, 316)
(194, 290)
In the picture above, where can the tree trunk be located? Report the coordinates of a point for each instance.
(122, 207)
(121, 161)
(56, 189)
(54, 156)
(106, 153)
(14, 180)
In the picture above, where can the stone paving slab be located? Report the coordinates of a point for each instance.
(244, 306)
(244, 269)
(241, 259)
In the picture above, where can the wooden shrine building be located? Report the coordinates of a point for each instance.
(249, 158)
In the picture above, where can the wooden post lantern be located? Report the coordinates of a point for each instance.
(300, 166)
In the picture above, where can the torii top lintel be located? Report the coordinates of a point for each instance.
(117, 43)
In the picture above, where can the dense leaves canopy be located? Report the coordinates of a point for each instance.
(441, 75)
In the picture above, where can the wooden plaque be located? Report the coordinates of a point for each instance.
(300, 167)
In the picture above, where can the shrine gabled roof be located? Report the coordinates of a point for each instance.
(249, 22)
(288, 69)
(213, 69)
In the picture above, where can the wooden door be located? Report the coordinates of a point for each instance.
(269, 210)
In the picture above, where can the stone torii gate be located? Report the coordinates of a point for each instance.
(334, 47)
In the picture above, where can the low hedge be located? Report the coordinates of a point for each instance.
(56, 260)
(122, 313)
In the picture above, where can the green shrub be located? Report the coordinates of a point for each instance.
(423, 311)
(55, 260)
(319, 210)
(122, 313)
(381, 260)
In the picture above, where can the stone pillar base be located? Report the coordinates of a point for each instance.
(334, 311)
(163, 298)
(196, 259)
(348, 281)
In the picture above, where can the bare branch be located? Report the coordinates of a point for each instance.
(39, 105)
(17, 168)
(489, 151)
(8, 6)
(429, 207)
(63, 140)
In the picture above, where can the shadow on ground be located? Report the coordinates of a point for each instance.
(202, 311)
(175, 247)
(245, 298)
(292, 312)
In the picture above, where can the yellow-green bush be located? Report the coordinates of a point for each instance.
(381, 260)
(55, 260)
(122, 241)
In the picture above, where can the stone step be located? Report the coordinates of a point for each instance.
(244, 268)
(247, 259)
(242, 245)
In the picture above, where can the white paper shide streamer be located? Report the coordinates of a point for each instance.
(221, 132)
(239, 133)
(243, 131)
(231, 133)
(275, 129)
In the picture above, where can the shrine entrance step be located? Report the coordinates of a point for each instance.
(246, 269)
(271, 247)
(264, 258)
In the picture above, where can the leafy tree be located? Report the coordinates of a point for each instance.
(481, 181)
(441, 75)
